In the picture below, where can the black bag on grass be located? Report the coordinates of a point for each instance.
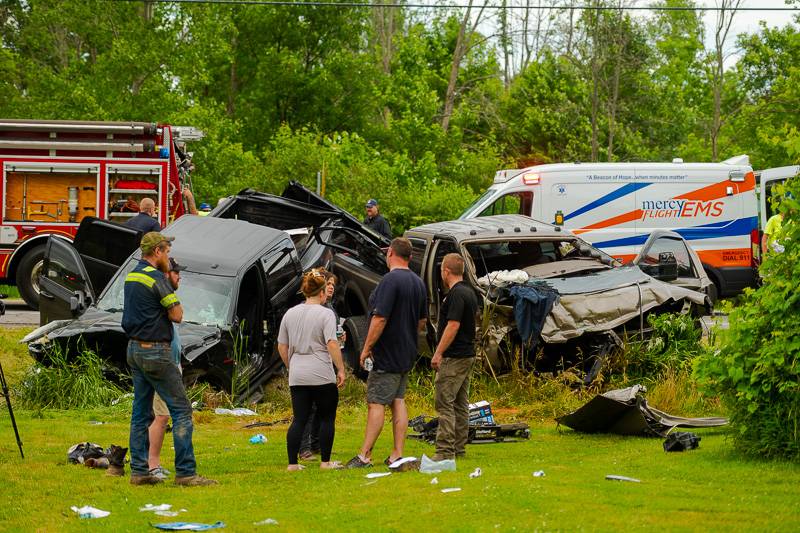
(681, 441)
(78, 453)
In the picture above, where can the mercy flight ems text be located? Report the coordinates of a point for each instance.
(57, 172)
(615, 206)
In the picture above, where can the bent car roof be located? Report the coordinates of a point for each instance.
(202, 242)
(491, 226)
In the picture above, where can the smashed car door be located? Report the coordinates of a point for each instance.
(74, 274)
(103, 247)
(66, 290)
(662, 245)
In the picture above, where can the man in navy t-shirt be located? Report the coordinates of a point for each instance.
(145, 221)
(398, 311)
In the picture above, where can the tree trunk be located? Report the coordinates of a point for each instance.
(233, 82)
(458, 56)
(723, 27)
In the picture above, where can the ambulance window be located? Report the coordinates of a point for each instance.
(516, 203)
(678, 248)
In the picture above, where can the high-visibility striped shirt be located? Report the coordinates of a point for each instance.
(148, 296)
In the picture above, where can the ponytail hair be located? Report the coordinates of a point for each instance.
(313, 282)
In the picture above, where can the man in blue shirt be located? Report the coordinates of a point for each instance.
(159, 426)
(150, 309)
(398, 311)
(145, 221)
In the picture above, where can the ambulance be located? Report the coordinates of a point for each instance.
(616, 206)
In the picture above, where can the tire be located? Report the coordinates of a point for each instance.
(356, 328)
(712, 291)
(27, 272)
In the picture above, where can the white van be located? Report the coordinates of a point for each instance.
(615, 206)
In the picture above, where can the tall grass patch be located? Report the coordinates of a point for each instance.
(67, 383)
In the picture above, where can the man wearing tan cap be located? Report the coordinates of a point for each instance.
(150, 309)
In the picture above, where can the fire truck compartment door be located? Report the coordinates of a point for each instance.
(65, 289)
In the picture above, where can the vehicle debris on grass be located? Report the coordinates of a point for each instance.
(626, 412)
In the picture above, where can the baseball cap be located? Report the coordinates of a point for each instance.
(174, 266)
(151, 240)
(372, 202)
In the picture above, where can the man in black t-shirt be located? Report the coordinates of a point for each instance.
(453, 360)
(145, 221)
(398, 311)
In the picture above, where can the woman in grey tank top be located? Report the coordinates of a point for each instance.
(309, 348)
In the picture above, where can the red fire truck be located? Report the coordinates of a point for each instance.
(57, 172)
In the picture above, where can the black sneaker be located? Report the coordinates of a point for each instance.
(407, 466)
(357, 462)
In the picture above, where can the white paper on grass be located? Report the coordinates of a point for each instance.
(154, 508)
(374, 475)
(429, 466)
(402, 461)
(267, 522)
(538, 473)
(435, 481)
(239, 411)
(87, 511)
(476, 473)
(451, 489)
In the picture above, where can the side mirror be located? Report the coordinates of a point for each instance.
(76, 302)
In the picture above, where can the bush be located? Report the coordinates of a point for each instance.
(756, 371)
(675, 341)
(64, 384)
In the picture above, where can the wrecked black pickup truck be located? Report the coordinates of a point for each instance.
(244, 266)
(584, 300)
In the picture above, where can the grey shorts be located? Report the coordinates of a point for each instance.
(383, 387)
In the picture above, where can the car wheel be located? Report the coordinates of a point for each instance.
(28, 275)
(712, 291)
(356, 328)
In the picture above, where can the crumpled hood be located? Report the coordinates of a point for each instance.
(195, 338)
(605, 300)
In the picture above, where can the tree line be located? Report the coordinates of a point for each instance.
(417, 107)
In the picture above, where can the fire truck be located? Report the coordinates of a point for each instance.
(57, 172)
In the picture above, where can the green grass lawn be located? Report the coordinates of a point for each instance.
(708, 488)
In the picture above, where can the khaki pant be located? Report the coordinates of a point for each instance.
(452, 404)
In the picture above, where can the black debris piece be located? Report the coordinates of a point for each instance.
(681, 441)
(625, 412)
(78, 453)
(479, 433)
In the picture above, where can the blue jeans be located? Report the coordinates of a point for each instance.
(154, 370)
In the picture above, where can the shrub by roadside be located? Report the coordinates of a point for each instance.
(756, 371)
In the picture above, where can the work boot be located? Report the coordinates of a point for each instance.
(194, 481)
(116, 460)
(116, 471)
(145, 480)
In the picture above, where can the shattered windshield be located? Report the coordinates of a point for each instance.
(538, 258)
(205, 299)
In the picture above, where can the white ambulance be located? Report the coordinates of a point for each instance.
(616, 206)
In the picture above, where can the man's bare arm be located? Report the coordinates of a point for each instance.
(175, 313)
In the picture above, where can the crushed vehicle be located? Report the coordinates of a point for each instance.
(243, 271)
(549, 299)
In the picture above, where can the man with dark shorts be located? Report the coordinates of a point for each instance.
(150, 309)
(453, 360)
(398, 311)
